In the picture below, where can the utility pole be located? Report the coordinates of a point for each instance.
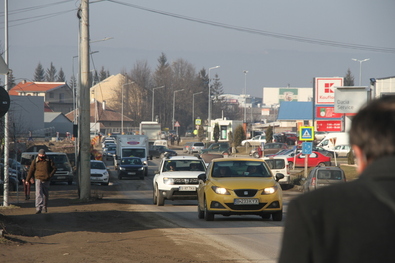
(84, 116)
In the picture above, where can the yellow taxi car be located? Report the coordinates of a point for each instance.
(239, 186)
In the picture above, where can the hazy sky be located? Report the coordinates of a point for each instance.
(279, 42)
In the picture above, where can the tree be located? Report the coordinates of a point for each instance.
(239, 135)
(201, 135)
(50, 74)
(73, 82)
(103, 74)
(218, 103)
(11, 80)
(216, 132)
(61, 77)
(269, 134)
(349, 79)
(39, 74)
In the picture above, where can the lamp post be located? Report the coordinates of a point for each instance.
(360, 67)
(193, 106)
(122, 105)
(245, 94)
(174, 104)
(153, 100)
(209, 104)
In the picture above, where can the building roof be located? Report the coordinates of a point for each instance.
(294, 110)
(35, 87)
(58, 116)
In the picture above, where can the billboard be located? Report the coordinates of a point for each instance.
(325, 89)
(288, 95)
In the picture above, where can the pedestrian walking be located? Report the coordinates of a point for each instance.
(351, 222)
(42, 169)
(26, 184)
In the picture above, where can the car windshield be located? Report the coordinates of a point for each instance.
(133, 153)
(240, 169)
(183, 165)
(98, 165)
(135, 161)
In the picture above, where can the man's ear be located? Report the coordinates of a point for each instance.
(361, 158)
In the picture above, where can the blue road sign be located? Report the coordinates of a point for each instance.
(307, 147)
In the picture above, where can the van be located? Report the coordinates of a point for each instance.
(64, 172)
(279, 164)
(333, 139)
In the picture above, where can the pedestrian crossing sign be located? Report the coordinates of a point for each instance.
(306, 133)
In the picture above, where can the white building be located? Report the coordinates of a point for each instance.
(275, 95)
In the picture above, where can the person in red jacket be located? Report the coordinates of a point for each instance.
(42, 169)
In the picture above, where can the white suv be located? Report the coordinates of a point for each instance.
(177, 178)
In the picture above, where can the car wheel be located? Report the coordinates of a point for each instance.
(265, 216)
(146, 172)
(154, 197)
(291, 165)
(200, 212)
(255, 154)
(141, 177)
(321, 164)
(159, 198)
(70, 182)
(277, 216)
(208, 216)
(104, 183)
(248, 144)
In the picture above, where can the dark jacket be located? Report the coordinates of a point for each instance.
(41, 169)
(347, 223)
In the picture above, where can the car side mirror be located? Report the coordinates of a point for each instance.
(202, 177)
(279, 176)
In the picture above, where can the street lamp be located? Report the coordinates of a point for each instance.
(174, 104)
(209, 104)
(122, 105)
(360, 67)
(153, 100)
(245, 94)
(193, 106)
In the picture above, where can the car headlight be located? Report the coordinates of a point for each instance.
(145, 162)
(121, 168)
(167, 180)
(270, 190)
(141, 169)
(220, 190)
(105, 173)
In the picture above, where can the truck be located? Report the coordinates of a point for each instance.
(333, 139)
(132, 146)
(152, 130)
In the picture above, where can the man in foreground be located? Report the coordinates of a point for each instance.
(351, 222)
(42, 169)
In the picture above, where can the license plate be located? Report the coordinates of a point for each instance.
(187, 188)
(60, 177)
(131, 173)
(245, 201)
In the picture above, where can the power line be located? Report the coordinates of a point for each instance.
(262, 32)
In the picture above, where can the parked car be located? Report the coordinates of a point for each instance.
(219, 147)
(12, 179)
(269, 149)
(325, 152)
(239, 186)
(342, 150)
(314, 159)
(279, 164)
(99, 173)
(323, 176)
(255, 141)
(160, 151)
(131, 167)
(186, 146)
(177, 179)
(195, 147)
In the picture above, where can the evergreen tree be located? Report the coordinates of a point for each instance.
(218, 104)
(216, 132)
(269, 134)
(11, 80)
(61, 77)
(39, 74)
(349, 79)
(50, 74)
(239, 135)
(73, 82)
(201, 135)
(102, 74)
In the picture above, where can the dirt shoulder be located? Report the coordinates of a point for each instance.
(109, 229)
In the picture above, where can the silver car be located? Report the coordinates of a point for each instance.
(323, 176)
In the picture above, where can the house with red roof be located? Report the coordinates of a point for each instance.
(58, 96)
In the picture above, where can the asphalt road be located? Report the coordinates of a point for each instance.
(252, 238)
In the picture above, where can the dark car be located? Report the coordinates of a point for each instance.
(12, 179)
(323, 176)
(219, 147)
(130, 167)
(161, 151)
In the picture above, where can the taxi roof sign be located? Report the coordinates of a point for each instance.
(306, 133)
